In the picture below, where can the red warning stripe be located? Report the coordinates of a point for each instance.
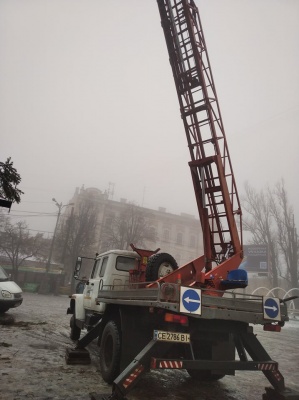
(137, 371)
(267, 367)
(171, 364)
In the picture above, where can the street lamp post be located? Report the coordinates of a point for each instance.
(60, 207)
(67, 236)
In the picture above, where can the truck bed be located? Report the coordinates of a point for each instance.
(235, 306)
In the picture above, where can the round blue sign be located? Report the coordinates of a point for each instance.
(271, 308)
(191, 300)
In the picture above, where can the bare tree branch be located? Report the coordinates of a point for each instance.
(132, 225)
(270, 220)
(78, 235)
(17, 244)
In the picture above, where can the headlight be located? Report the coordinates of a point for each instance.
(6, 294)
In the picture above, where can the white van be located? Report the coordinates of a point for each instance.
(10, 293)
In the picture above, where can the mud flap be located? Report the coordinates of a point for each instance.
(286, 394)
(77, 356)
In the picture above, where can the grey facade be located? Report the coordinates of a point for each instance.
(179, 235)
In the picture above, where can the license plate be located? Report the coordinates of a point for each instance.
(164, 336)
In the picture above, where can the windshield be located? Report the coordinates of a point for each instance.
(3, 275)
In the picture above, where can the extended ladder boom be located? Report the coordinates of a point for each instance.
(211, 169)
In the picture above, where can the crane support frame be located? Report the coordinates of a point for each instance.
(211, 169)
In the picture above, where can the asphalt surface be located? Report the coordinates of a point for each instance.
(32, 362)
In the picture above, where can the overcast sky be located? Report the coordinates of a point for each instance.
(87, 98)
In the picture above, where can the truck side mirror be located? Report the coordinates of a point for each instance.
(77, 267)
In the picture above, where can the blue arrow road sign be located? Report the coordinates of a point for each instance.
(271, 308)
(191, 300)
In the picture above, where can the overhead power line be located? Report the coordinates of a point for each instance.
(34, 212)
(27, 216)
(38, 230)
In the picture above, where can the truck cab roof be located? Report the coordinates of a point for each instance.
(125, 253)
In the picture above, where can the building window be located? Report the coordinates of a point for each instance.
(179, 238)
(178, 259)
(109, 220)
(152, 234)
(192, 241)
(166, 234)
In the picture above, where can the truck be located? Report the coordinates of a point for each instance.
(146, 312)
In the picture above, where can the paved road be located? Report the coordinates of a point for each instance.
(32, 364)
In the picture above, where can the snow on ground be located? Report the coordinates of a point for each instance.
(32, 362)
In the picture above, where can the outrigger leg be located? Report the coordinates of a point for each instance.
(258, 353)
(127, 380)
(79, 355)
(244, 341)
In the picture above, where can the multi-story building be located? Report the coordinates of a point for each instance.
(178, 235)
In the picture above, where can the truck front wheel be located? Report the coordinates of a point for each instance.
(159, 265)
(75, 331)
(110, 349)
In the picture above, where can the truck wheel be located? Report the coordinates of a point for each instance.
(75, 331)
(110, 349)
(159, 265)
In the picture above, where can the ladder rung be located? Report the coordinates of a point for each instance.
(196, 110)
(213, 189)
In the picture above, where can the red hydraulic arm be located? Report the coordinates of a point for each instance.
(213, 179)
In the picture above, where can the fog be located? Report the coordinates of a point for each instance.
(88, 98)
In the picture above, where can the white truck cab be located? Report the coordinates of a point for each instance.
(111, 269)
(10, 293)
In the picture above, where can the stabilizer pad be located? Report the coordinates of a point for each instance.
(77, 356)
(287, 394)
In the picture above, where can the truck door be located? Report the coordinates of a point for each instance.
(95, 283)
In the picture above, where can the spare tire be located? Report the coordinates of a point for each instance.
(159, 265)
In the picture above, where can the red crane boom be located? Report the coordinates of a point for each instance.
(211, 169)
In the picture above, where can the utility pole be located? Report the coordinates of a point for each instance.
(67, 236)
(60, 207)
